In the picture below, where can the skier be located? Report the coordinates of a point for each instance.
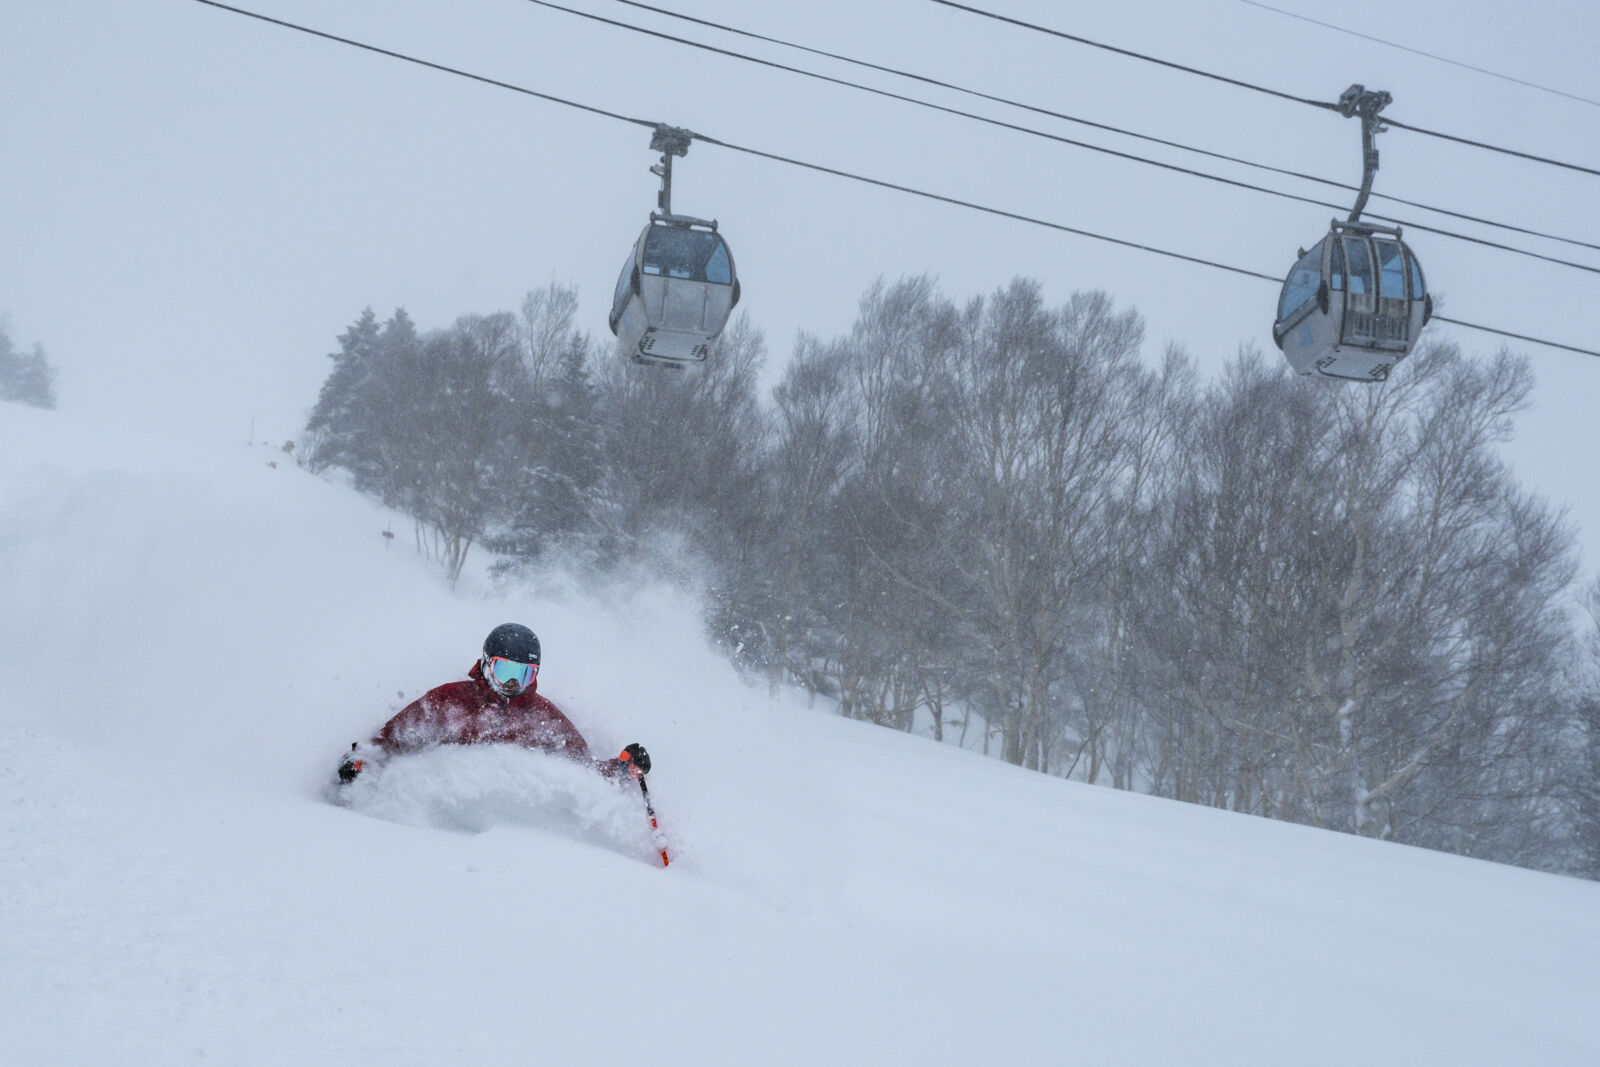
(497, 704)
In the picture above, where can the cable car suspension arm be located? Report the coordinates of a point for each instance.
(669, 141)
(1354, 101)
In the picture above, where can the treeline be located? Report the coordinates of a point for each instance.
(996, 522)
(518, 432)
(26, 377)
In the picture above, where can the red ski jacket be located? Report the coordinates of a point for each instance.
(471, 713)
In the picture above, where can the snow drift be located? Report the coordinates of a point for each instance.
(192, 630)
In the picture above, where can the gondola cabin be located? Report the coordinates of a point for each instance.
(675, 293)
(1353, 306)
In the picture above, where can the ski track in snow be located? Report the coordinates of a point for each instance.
(190, 637)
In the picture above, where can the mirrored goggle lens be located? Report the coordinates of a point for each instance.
(507, 671)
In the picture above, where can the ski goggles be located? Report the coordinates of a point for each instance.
(509, 672)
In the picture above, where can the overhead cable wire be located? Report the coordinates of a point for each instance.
(1098, 125)
(1515, 336)
(1002, 213)
(1420, 52)
(837, 172)
(996, 16)
(426, 63)
(987, 120)
(1397, 124)
(1139, 55)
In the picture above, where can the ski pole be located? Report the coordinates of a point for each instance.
(655, 830)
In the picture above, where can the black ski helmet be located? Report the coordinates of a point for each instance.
(512, 640)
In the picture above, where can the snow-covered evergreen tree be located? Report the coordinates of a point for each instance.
(25, 377)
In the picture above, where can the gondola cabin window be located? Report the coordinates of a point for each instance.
(1392, 272)
(1418, 290)
(693, 255)
(719, 268)
(1355, 250)
(624, 287)
(1303, 282)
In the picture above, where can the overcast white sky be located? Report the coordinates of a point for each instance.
(190, 199)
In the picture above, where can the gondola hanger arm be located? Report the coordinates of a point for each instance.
(1354, 101)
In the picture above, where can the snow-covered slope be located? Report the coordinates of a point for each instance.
(189, 634)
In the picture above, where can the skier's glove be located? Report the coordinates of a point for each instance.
(350, 767)
(635, 759)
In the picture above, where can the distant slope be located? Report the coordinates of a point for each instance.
(190, 635)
